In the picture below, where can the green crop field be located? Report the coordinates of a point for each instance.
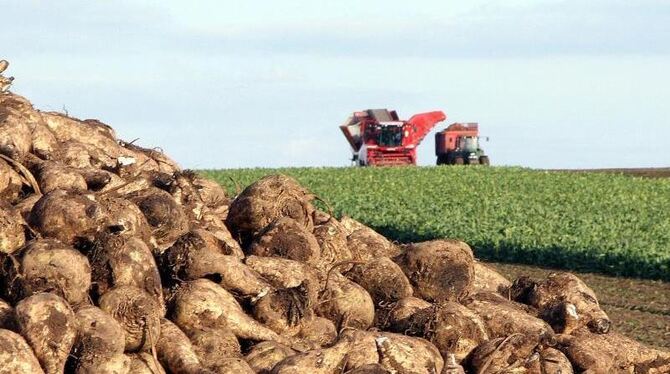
(613, 224)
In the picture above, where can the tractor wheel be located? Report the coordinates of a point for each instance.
(441, 160)
(484, 160)
(459, 161)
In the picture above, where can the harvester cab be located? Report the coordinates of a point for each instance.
(379, 138)
(458, 144)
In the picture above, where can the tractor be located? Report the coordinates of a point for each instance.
(379, 138)
(458, 144)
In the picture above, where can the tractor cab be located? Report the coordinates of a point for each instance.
(468, 143)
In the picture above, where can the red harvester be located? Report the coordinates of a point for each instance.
(378, 138)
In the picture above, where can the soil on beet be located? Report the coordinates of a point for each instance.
(639, 309)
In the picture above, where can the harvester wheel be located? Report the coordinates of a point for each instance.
(484, 160)
(459, 161)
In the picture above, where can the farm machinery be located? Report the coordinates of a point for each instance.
(458, 144)
(379, 138)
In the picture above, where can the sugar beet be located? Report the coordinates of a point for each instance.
(564, 301)
(16, 356)
(439, 270)
(287, 238)
(100, 343)
(49, 326)
(50, 266)
(138, 313)
(266, 200)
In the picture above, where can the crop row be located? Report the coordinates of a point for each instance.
(606, 223)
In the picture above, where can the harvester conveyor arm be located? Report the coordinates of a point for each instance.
(424, 122)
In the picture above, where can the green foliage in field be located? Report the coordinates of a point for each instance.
(607, 223)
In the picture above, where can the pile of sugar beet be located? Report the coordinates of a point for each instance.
(114, 260)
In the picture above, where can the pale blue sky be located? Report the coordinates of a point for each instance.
(554, 84)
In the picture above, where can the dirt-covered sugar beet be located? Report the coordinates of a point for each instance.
(100, 343)
(318, 361)
(399, 312)
(332, 238)
(215, 346)
(47, 265)
(451, 327)
(191, 259)
(283, 273)
(284, 309)
(11, 182)
(54, 176)
(67, 216)
(16, 356)
(262, 357)
(119, 260)
(49, 326)
(518, 352)
(487, 279)
(564, 301)
(137, 312)
(166, 218)
(611, 353)
(12, 234)
(204, 304)
(125, 218)
(175, 351)
(318, 332)
(144, 363)
(504, 317)
(345, 303)
(383, 279)
(439, 270)
(366, 244)
(15, 134)
(266, 200)
(287, 238)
